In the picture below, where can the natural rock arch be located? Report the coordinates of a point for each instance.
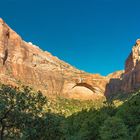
(86, 85)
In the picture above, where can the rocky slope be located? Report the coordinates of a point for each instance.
(25, 63)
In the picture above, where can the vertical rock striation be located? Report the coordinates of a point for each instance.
(131, 78)
(25, 63)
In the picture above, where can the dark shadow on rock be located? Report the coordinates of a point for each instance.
(113, 88)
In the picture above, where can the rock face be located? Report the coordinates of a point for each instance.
(131, 78)
(23, 63)
(114, 84)
(26, 64)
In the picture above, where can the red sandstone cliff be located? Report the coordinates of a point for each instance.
(131, 78)
(25, 63)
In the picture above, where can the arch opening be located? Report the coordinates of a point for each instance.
(88, 86)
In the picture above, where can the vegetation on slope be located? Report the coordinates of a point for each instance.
(67, 107)
(28, 115)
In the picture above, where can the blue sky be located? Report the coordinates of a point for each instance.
(92, 35)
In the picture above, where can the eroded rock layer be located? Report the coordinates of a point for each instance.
(23, 63)
(26, 64)
(131, 78)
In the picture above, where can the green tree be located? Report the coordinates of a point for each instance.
(137, 134)
(113, 129)
(129, 112)
(19, 110)
(53, 126)
(84, 125)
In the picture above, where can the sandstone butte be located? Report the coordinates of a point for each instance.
(23, 63)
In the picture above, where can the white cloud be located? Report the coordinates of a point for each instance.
(30, 43)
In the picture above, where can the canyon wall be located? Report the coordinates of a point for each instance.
(23, 63)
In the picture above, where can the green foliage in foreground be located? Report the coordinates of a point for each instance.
(107, 123)
(114, 129)
(19, 112)
(28, 115)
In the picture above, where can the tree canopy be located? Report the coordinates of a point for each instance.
(28, 115)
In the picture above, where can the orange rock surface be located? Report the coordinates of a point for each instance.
(25, 63)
